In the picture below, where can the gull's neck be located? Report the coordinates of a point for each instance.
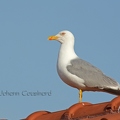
(66, 52)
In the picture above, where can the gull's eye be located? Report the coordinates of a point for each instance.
(63, 33)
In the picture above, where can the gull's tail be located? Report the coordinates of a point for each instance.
(113, 91)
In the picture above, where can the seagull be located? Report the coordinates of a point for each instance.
(78, 73)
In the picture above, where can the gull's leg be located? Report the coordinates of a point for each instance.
(80, 95)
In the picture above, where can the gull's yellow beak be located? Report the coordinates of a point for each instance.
(53, 38)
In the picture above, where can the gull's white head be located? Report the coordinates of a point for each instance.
(63, 37)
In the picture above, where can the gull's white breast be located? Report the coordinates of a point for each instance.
(64, 58)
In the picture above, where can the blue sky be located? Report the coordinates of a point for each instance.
(28, 59)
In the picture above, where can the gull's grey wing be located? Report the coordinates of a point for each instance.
(92, 76)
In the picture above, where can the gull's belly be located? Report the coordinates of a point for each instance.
(70, 79)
